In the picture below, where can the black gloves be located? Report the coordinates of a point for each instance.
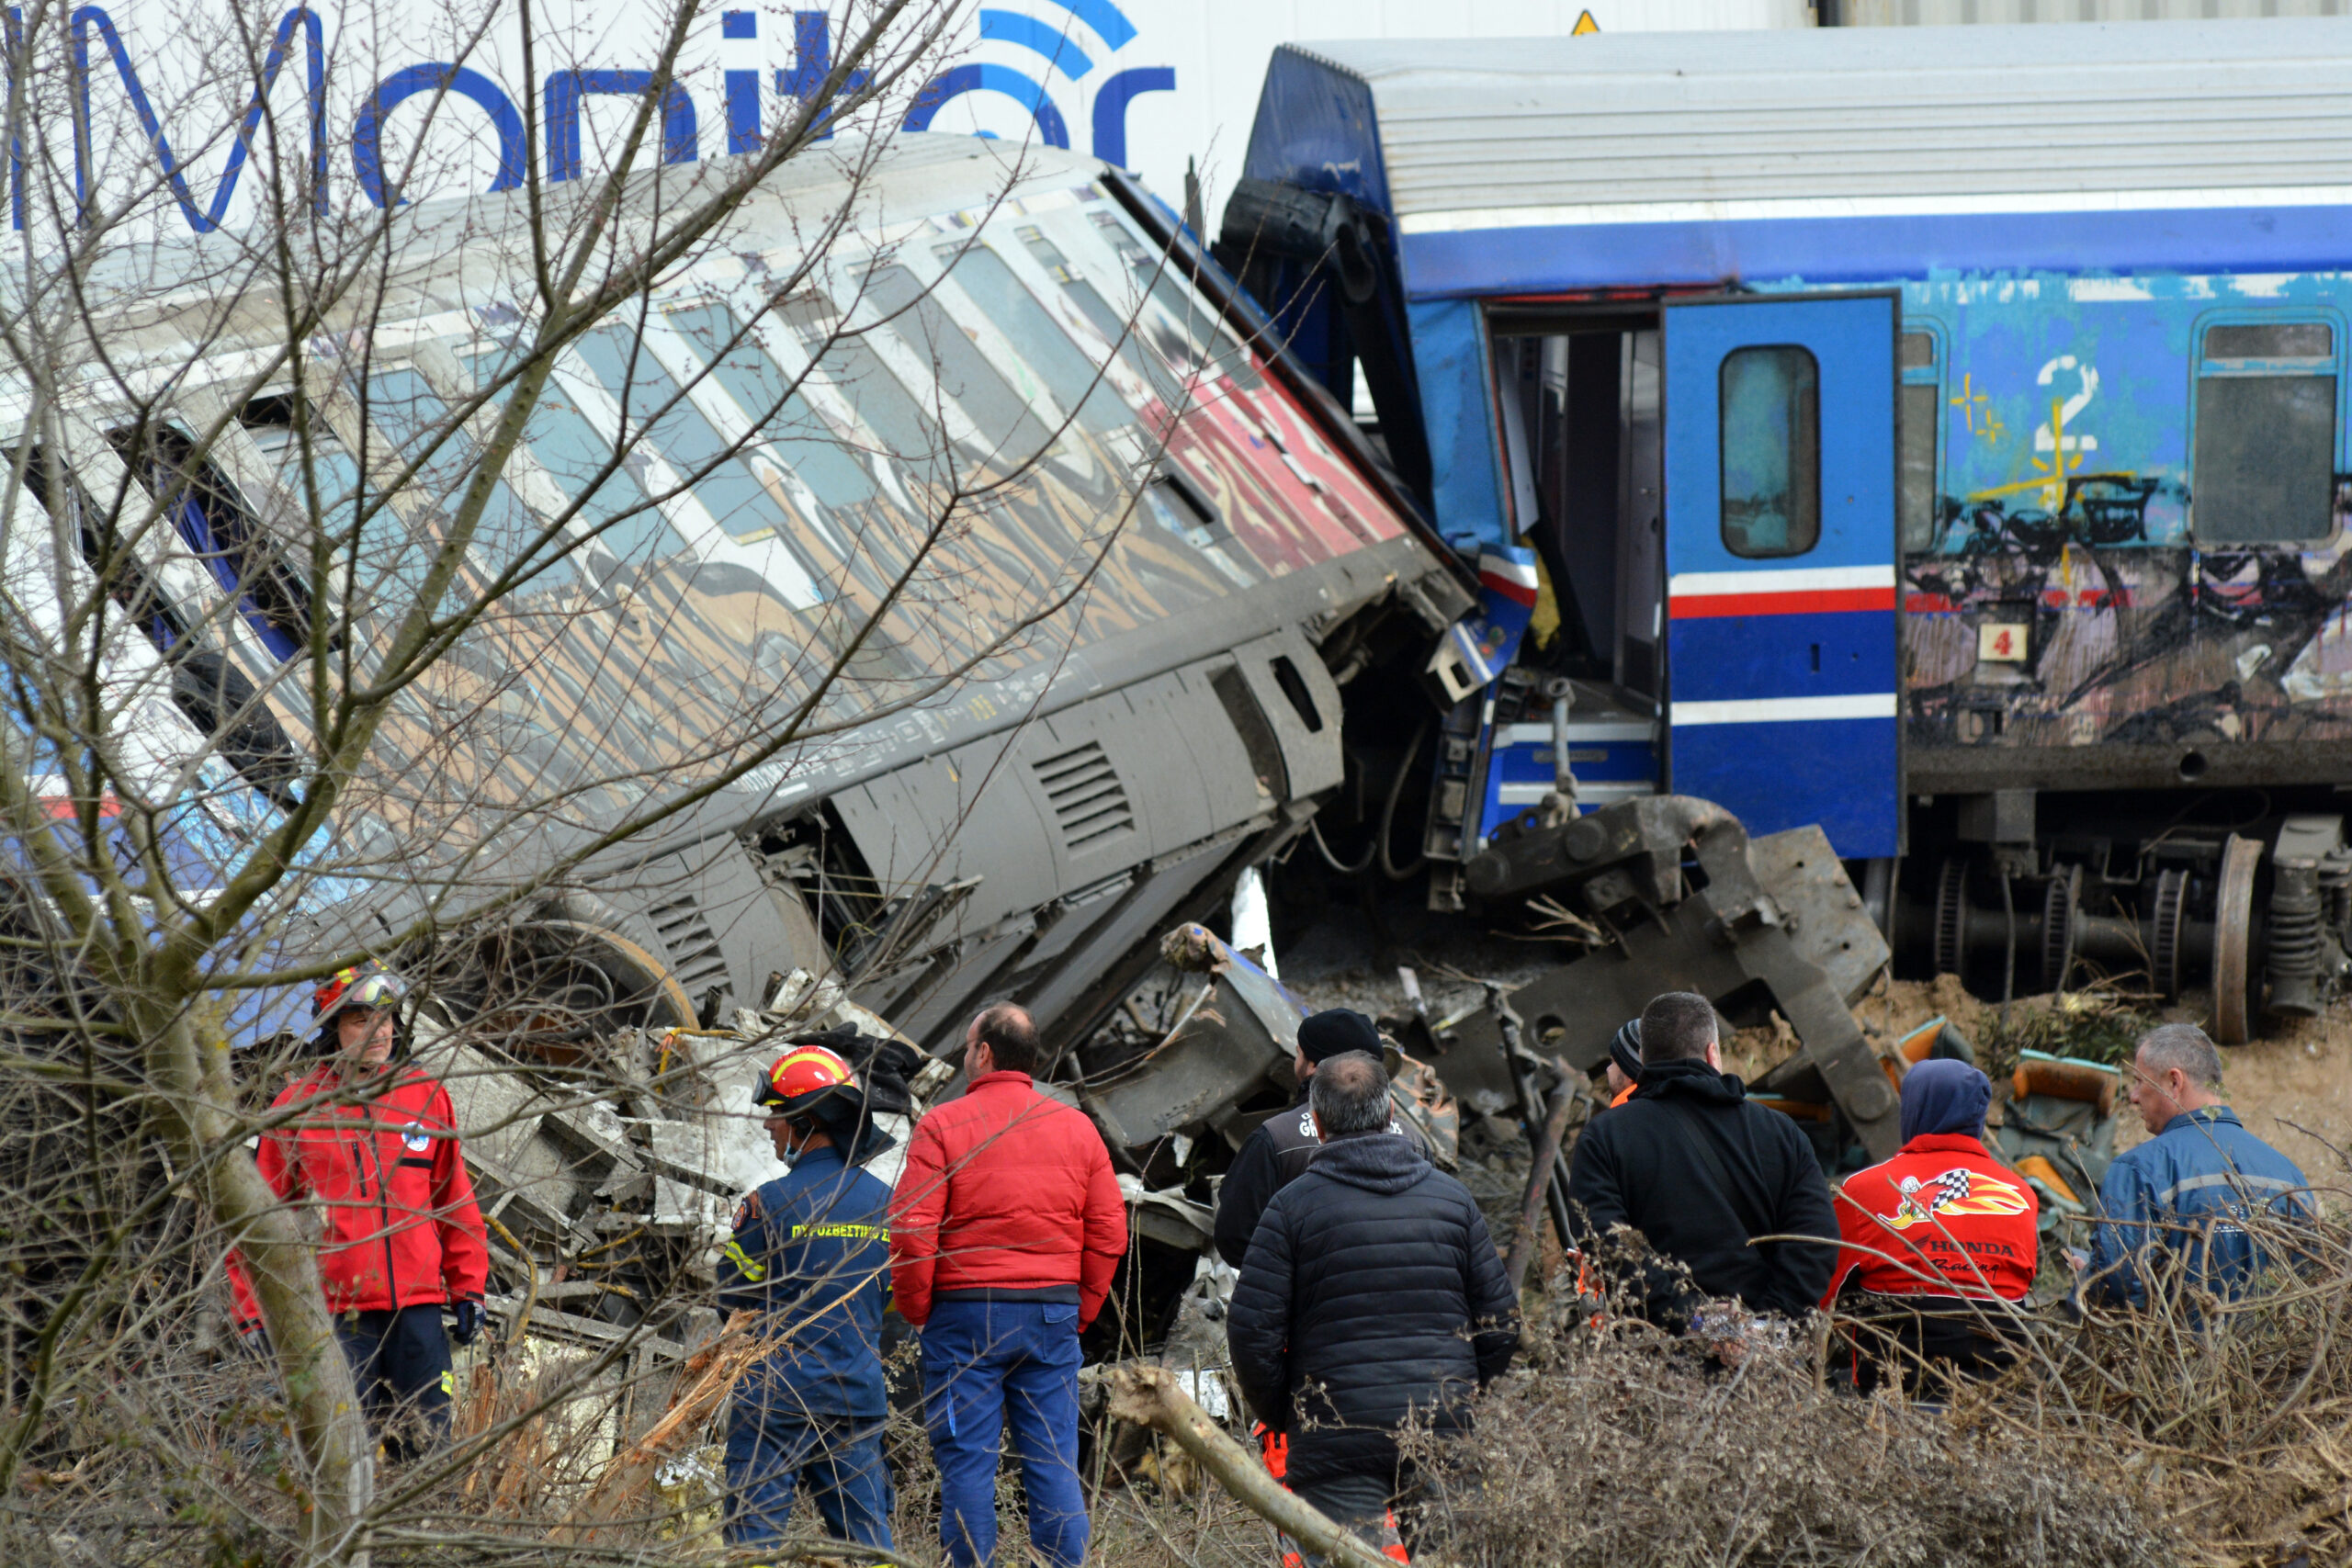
(469, 1322)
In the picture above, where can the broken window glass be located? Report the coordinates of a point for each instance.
(1770, 428)
(2263, 470)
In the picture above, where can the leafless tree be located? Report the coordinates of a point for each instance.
(339, 624)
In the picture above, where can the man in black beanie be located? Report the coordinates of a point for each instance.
(1276, 1154)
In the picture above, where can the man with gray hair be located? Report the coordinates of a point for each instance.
(1370, 1296)
(2190, 1187)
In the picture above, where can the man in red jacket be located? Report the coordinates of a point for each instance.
(1004, 1232)
(375, 1150)
(1933, 1242)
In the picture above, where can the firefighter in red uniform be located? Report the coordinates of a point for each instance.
(1933, 1241)
(375, 1149)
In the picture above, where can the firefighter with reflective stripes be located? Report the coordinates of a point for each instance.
(811, 1254)
(369, 1143)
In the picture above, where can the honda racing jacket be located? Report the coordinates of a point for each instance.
(382, 1164)
(1943, 1218)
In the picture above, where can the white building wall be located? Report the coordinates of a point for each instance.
(192, 62)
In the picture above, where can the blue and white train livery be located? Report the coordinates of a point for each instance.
(1936, 433)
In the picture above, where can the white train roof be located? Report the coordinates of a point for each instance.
(1488, 133)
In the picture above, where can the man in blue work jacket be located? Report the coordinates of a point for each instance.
(2190, 1187)
(811, 1255)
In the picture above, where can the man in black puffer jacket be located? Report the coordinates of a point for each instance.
(1696, 1167)
(1371, 1296)
(1277, 1154)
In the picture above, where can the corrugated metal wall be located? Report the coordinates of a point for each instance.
(1957, 13)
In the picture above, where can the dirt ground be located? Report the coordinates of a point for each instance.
(2292, 1087)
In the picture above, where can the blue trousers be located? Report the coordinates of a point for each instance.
(984, 1362)
(838, 1459)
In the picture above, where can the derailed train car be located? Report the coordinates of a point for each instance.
(1935, 434)
(1192, 545)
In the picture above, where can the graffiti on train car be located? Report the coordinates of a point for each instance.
(2122, 510)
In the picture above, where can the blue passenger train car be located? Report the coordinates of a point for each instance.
(1935, 434)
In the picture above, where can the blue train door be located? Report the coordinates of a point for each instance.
(1781, 562)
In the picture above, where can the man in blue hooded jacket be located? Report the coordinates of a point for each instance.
(2190, 1187)
(811, 1255)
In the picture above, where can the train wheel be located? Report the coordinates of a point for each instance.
(2232, 940)
(2172, 906)
(1951, 915)
(2059, 906)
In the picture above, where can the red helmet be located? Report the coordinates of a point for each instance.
(805, 1077)
(368, 985)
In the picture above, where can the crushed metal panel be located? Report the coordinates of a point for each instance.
(1170, 880)
(1301, 704)
(1226, 1048)
(1623, 865)
(1827, 922)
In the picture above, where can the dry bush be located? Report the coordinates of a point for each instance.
(2236, 1417)
(1623, 1446)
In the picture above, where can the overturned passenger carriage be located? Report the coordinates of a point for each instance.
(1059, 559)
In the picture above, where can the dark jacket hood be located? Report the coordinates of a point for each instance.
(1690, 1079)
(1377, 1162)
(1944, 1097)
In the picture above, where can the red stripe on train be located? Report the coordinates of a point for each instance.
(1801, 603)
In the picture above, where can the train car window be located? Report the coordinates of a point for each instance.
(773, 403)
(1014, 436)
(1771, 429)
(2263, 470)
(386, 550)
(215, 523)
(1115, 328)
(1921, 410)
(404, 406)
(121, 575)
(654, 408)
(571, 452)
(1044, 343)
(907, 430)
(1205, 341)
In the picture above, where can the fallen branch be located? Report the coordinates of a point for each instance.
(1150, 1396)
(704, 1380)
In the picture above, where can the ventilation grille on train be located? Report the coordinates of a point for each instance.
(694, 957)
(1089, 802)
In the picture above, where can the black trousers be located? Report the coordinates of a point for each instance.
(1921, 1349)
(401, 1362)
